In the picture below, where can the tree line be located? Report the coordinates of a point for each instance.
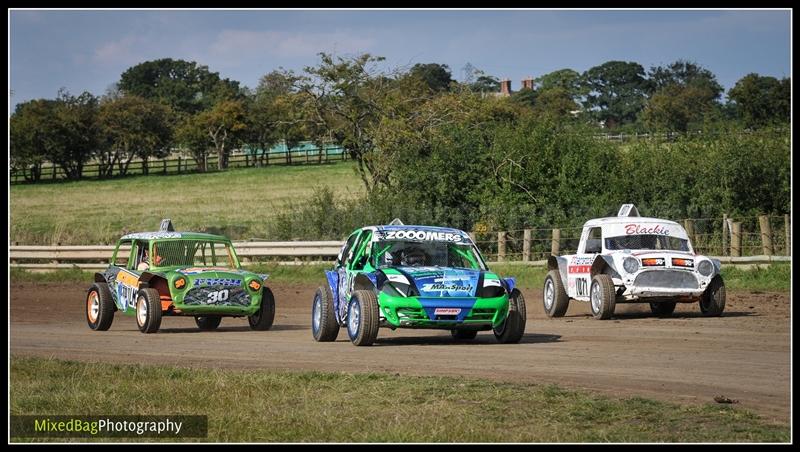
(380, 116)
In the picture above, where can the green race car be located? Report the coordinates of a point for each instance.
(400, 276)
(166, 273)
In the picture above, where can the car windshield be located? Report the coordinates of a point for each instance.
(412, 253)
(647, 242)
(194, 253)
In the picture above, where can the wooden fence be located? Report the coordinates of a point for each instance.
(181, 164)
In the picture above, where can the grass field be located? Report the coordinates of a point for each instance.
(776, 277)
(237, 203)
(270, 406)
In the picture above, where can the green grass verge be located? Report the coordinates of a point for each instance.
(277, 406)
(237, 203)
(776, 277)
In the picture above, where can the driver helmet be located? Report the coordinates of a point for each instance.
(413, 256)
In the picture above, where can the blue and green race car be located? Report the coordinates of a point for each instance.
(400, 276)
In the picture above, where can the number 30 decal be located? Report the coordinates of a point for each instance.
(218, 296)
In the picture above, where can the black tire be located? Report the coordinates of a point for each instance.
(324, 328)
(663, 308)
(606, 294)
(209, 323)
(464, 334)
(148, 321)
(99, 307)
(363, 318)
(512, 329)
(712, 302)
(555, 294)
(263, 318)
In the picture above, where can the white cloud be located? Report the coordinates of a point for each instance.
(237, 43)
(123, 50)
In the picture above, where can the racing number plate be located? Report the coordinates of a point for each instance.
(447, 311)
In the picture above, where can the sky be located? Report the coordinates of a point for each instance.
(87, 50)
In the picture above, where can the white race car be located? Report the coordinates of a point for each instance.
(633, 259)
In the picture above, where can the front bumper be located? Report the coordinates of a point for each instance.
(420, 312)
(664, 283)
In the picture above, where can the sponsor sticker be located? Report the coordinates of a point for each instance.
(580, 268)
(422, 235)
(632, 229)
(447, 311)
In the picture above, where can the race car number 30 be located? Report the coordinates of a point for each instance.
(218, 296)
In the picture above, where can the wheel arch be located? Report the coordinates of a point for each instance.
(560, 264)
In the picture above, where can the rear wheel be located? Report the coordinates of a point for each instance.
(556, 300)
(323, 317)
(263, 318)
(663, 308)
(712, 302)
(99, 307)
(208, 323)
(512, 329)
(464, 334)
(148, 310)
(602, 297)
(363, 318)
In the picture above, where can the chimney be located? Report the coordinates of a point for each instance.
(527, 83)
(505, 87)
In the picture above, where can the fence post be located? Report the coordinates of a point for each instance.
(688, 224)
(736, 239)
(766, 234)
(165, 165)
(501, 246)
(526, 245)
(54, 171)
(555, 246)
(724, 234)
(788, 234)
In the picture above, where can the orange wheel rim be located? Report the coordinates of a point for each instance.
(92, 306)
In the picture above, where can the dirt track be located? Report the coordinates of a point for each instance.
(743, 355)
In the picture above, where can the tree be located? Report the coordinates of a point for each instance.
(185, 86)
(685, 74)
(224, 124)
(33, 128)
(436, 76)
(616, 91)
(486, 84)
(74, 138)
(566, 79)
(349, 98)
(761, 101)
(677, 108)
(132, 126)
(556, 103)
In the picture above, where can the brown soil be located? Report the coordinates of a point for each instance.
(743, 355)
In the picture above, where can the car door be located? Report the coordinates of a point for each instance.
(345, 256)
(579, 267)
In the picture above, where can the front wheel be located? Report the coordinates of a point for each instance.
(464, 334)
(263, 318)
(363, 318)
(512, 329)
(664, 308)
(323, 317)
(208, 323)
(148, 310)
(555, 298)
(712, 302)
(99, 307)
(602, 297)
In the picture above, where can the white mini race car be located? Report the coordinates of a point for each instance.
(633, 259)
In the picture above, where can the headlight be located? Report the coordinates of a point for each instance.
(630, 264)
(180, 283)
(705, 268)
(254, 285)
